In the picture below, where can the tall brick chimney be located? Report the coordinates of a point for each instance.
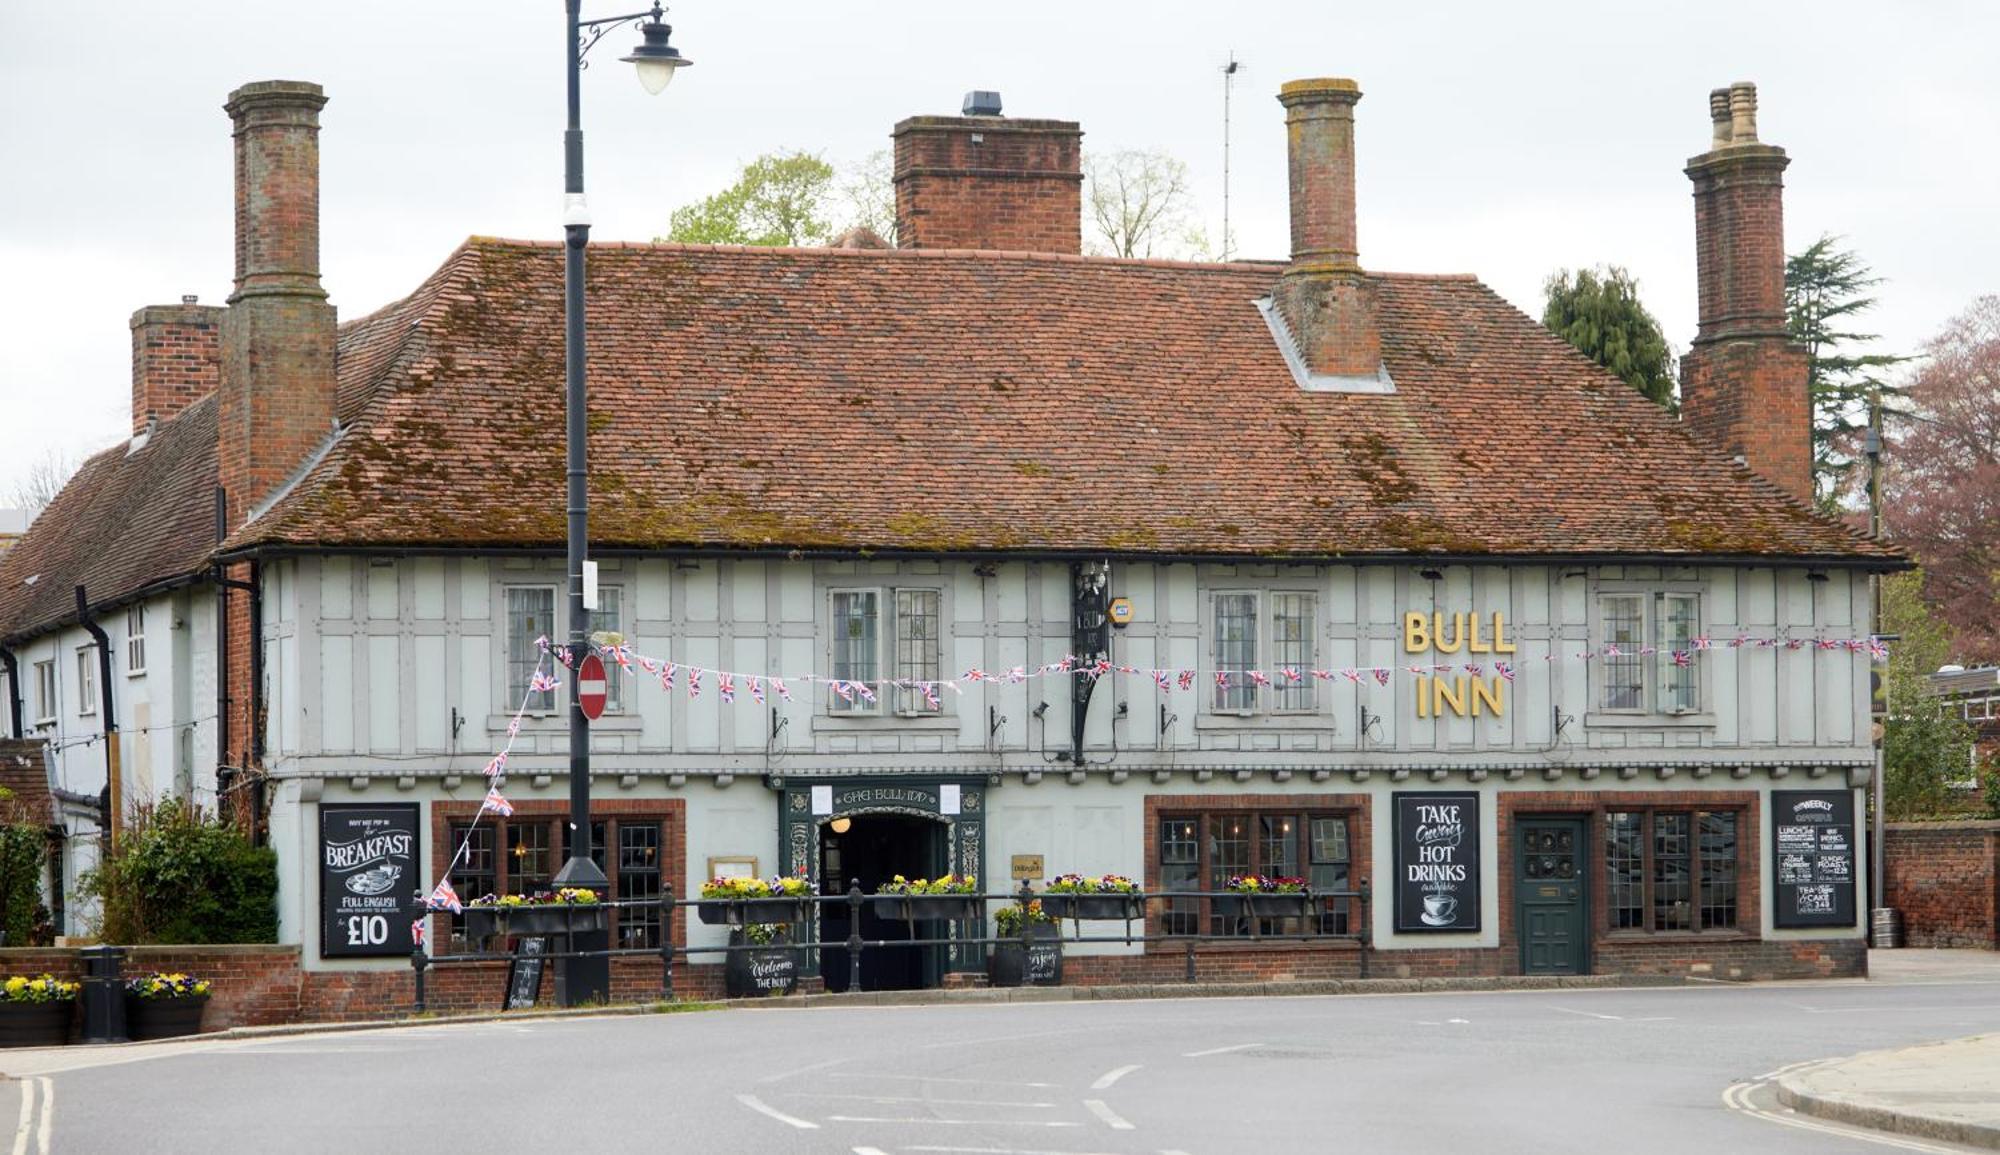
(176, 359)
(1743, 383)
(981, 181)
(1324, 298)
(278, 332)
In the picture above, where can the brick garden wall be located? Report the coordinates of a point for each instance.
(1943, 876)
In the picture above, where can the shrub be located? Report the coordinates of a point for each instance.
(182, 875)
(23, 848)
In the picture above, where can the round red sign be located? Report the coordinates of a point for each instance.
(590, 686)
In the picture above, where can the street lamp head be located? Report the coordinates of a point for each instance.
(656, 59)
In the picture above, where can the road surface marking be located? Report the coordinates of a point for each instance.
(930, 1122)
(916, 1099)
(1590, 1014)
(763, 1108)
(1737, 1098)
(929, 1079)
(1220, 1050)
(869, 1151)
(27, 1124)
(1012, 1151)
(1105, 1080)
(1110, 1118)
(48, 1114)
(1897, 1009)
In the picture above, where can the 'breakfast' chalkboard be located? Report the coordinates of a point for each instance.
(1812, 846)
(367, 876)
(1437, 862)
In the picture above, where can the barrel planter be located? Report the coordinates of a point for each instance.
(1037, 962)
(25, 1024)
(763, 971)
(1263, 905)
(163, 1018)
(547, 918)
(926, 907)
(1094, 907)
(745, 911)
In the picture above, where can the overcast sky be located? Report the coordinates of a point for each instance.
(1504, 140)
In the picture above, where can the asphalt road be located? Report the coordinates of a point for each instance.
(1585, 1071)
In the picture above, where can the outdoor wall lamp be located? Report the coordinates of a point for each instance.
(841, 825)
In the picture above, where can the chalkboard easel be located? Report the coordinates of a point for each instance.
(524, 973)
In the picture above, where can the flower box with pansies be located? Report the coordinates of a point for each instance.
(1108, 897)
(164, 1006)
(571, 910)
(1027, 934)
(36, 1012)
(923, 899)
(1265, 897)
(746, 901)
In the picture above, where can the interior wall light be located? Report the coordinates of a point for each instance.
(841, 825)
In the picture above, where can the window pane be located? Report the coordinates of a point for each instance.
(638, 880)
(474, 877)
(1718, 870)
(86, 681)
(1228, 857)
(1625, 870)
(1329, 872)
(1292, 649)
(531, 614)
(530, 864)
(1679, 626)
(856, 618)
(610, 617)
(1180, 869)
(917, 649)
(1624, 675)
(1278, 846)
(1672, 843)
(135, 640)
(1235, 651)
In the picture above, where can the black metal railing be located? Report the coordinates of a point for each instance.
(1153, 907)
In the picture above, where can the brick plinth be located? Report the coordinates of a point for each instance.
(1945, 878)
(985, 182)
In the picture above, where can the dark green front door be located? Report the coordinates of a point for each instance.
(1551, 895)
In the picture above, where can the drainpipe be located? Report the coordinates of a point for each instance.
(13, 667)
(257, 703)
(114, 789)
(222, 775)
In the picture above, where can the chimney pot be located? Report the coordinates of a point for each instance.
(1718, 113)
(981, 102)
(190, 298)
(1743, 113)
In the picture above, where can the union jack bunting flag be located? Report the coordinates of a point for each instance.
(622, 654)
(497, 803)
(1704, 644)
(1185, 679)
(1017, 675)
(1504, 669)
(1612, 651)
(975, 674)
(1161, 679)
(1323, 675)
(667, 677)
(1382, 675)
(778, 684)
(930, 694)
(417, 932)
(649, 665)
(1878, 650)
(1352, 676)
(694, 682)
(725, 685)
(542, 683)
(498, 765)
(1258, 678)
(1828, 644)
(1222, 679)
(861, 688)
(514, 727)
(1475, 669)
(1290, 675)
(443, 897)
(1683, 658)
(756, 685)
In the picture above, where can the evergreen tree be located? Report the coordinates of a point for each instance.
(1924, 748)
(1826, 289)
(1599, 312)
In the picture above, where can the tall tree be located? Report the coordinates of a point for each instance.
(870, 192)
(1826, 290)
(1925, 749)
(778, 199)
(1137, 204)
(1599, 312)
(1942, 477)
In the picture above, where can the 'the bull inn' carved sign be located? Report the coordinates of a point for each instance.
(1463, 692)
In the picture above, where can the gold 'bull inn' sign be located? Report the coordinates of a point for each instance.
(1458, 633)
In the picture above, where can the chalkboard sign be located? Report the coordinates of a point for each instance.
(1437, 862)
(1812, 847)
(367, 879)
(1044, 962)
(524, 973)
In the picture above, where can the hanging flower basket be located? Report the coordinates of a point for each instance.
(1094, 907)
(565, 912)
(1263, 897)
(739, 902)
(922, 900)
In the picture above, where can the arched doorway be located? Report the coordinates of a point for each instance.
(872, 849)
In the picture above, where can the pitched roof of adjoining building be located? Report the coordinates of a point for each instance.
(841, 399)
(24, 776)
(129, 521)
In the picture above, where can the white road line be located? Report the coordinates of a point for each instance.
(1105, 1080)
(915, 1099)
(1590, 1014)
(869, 1151)
(765, 1109)
(1737, 1098)
(27, 1124)
(48, 1115)
(1109, 1117)
(1013, 1151)
(928, 1079)
(1220, 1050)
(947, 1122)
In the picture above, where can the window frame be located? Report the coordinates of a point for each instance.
(1337, 916)
(1264, 700)
(512, 693)
(1656, 671)
(892, 702)
(135, 640)
(87, 695)
(614, 674)
(46, 692)
(1697, 880)
(499, 879)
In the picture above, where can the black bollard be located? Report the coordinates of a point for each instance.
(104, 994)
(667, 943)
(854, 935)
(420, 959)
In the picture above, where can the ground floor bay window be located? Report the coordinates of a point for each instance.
(1205, 850)
(520, 855)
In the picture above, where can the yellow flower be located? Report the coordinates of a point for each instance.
(16, 985)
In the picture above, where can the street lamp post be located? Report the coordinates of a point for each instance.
(656, 61)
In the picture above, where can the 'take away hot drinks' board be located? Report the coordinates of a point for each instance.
(1812, 840)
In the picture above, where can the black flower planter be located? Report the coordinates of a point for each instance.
(745, 911)
(163, 1018)
(1038, 962)
(772, 970)
(35, 1024)
(551, 918)
(1094, 907)
(1264, 905)
(925, 907)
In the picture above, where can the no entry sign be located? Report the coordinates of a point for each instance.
(590, 686)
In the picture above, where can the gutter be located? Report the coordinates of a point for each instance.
(114, 790)
(13, 667)
(153, 589)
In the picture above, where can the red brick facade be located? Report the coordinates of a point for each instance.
(985, 182)
(176, 360)
(1945, 878)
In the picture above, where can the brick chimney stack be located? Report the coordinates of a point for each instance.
(980, 181)
(1325, 299)
(176, 360)
(278, 333)
(1743, 383)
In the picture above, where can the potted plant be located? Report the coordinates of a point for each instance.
(571, 910)
(1265, 897)
(35, 1012)
(742, 901)
(1030, 958)
(1108, 897)
(916, 900)
(163, 1006)
(773, 970)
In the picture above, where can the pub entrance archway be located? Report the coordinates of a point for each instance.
(871, 850)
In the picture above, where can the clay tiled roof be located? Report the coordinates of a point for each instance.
(24, 775)
(926, 401)
(126, 523)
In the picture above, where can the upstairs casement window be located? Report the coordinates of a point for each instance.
(881, 637)
(135, 641)
(531, 615)
(45, 692)
(609, 616)
(1646, 658)
(86, 681)
(1258, 639)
